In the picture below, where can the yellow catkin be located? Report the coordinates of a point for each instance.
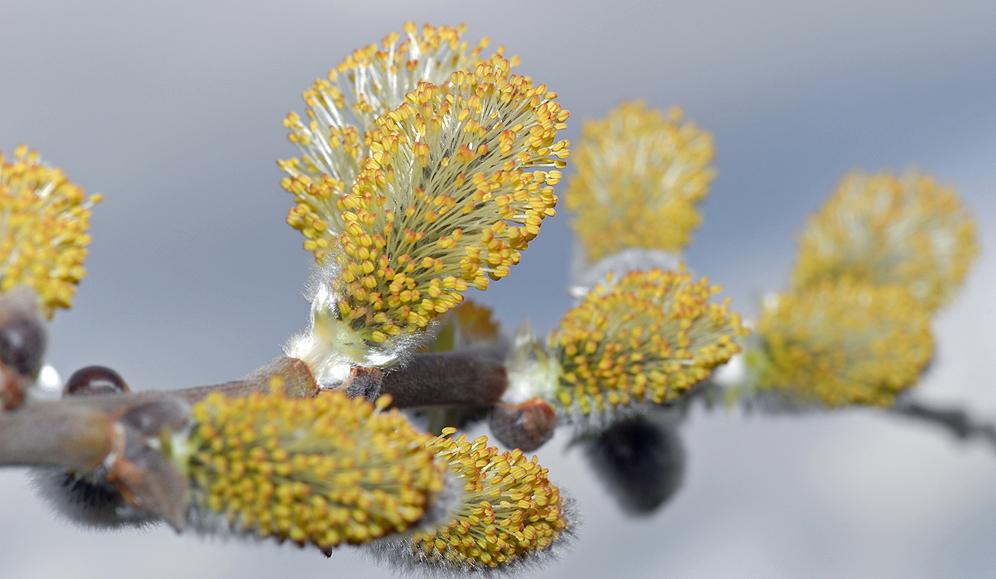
(885, 229)
(320, 471)
(647, 337)
(840, 342)
(458, 180)
(509, 510)
(640, 175)
(342, 108)
(43, 229)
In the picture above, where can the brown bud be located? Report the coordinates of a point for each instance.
(526, 426)
(148, 480)
(22, 332)
(12, 388)
(364, 383)
(94, 381)
(640, 460)
(22, 345)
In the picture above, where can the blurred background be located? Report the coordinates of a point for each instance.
(173, 111)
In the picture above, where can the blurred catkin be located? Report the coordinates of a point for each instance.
(841, 342)
(885, 229)
(640, 175)
(43, 233)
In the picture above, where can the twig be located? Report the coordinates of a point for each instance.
(471, 378)
(77, 434)
(451, 379)
(80, 432)
(294, 376)
(955, 420)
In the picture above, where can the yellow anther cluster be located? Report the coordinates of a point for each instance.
(885, 229)
(842, 342)
(509, 511)
(43, 229)
(467, 324)
(454, 188)
(640, 174)
(342, 108)
(320, 471)
(475, 322)
(648, 337)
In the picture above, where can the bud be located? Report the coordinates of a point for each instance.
(88, 498)
(640, 460)
(22, 345)
(95, 381)
(527, 425)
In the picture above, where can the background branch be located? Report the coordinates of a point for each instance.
(956, 421)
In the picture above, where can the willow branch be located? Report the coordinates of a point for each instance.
(76, 434)
(80, 433)
(955, 421)
(450, 379)
(291, 374)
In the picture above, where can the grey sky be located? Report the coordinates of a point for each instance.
(173, 111)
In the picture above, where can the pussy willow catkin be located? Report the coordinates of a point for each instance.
(43, 232)
(647, 337)
(509, 513)
(640, 175)
(885, 229)
(322, 471)
(840, 342)
(343, 107)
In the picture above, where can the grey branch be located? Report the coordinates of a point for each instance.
(78, 433)
(956, 421)
(451, 379)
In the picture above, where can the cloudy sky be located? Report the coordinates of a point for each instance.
(173, 111)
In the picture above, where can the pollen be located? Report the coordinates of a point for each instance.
(419, 233)
(646, 337)
(885, 229)
(640, 175)
(841, 342)
(43, 233)
(509, 511)
(322, 471)
(342, 108)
